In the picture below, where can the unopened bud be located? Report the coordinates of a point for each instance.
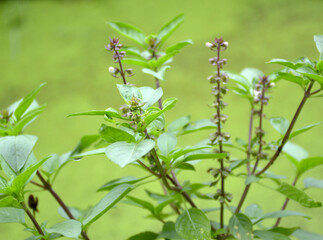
(113, 70)
(209, 45)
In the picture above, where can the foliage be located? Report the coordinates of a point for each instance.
(137, 134)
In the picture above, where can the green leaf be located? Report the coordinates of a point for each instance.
(52, 164)
(164, 59)
(309, 163)
(144, 236)
(16, 149)
(6, 168)
(250, 179)
(169, 28)
(85, 142)
(303, 235)
(289, 76)
(130, 32)
(178, 46)
(297, 195)
(192, 224)
(240, 80)
(284, 231)
(116, 182)
(199, 156)
(69, 228)
(138, 62)
(303, 129)
(26, 101)
(12, 215)
(26, 119)
(169, 232)
(166, 143)
(159, 75)
(111, 199)
(90, 153)
(297, 152)
(110, 113)
(312, 182)
(178, 124)
(23, 178)
(284, 63)
(168, 104)
(150, 96)
(319, 66)
(111, 134)
(254, 211)
(308, 72)
(186, 150)
(123, 153)
(283, 213)
(141, 203)
(127, 92)
(133, 51)
(319, 44)
(268, 235)
(240, 226)
(198, 126)
(252, 75)
(280, 124)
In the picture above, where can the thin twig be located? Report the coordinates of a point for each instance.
(249, 140)
(48, 187)
(33, 219)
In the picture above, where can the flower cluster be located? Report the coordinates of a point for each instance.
(118, 55)
(133, 110)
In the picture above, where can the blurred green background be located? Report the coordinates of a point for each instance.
(62, 43)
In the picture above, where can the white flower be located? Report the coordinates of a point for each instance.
(112, 70)
(209, 45)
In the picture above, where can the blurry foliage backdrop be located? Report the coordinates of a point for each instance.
(62, 43)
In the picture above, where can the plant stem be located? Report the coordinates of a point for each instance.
(249, 140)
(289, 130)
(121, 68)
(218, 96)
(33, 219)
(286, 202)
(48, 187)
(278, 151)
(148, 169)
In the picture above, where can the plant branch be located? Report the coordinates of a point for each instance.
(48, 187)
(121, 68)
(278, 151)
(148, 169)
(33, 219)
(289, 130)
(285, 203)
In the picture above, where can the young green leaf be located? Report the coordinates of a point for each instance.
(123, 153)
(12, 215)
(297, 152)
(69, 228)
(280, 124)
(159, 75)
(111, 134)
(309, 163)
(281, 214)
(116, 182)
(199, 156)
(150, 96)
(298, 196)
(26, 101)
(52, 164)
(198, 126)
(319, 44)
(168, 104)
(177, 125)
(138, 62)
(312, 182)
(303, 129)
(252, 75)
(308, 72)
(141, 203)
(166, 143)
(289, 76)
(165, 58)
(23, 178)
(240, 226)
(304, 235)
(133, 51)
(16, 149)
(127, 92)
(192, 224)
(250, 179)
(111, 199)
(130, 32)
(169, 28)
(178, 46)
(254, 211)
(269, 235)
(284, 63)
